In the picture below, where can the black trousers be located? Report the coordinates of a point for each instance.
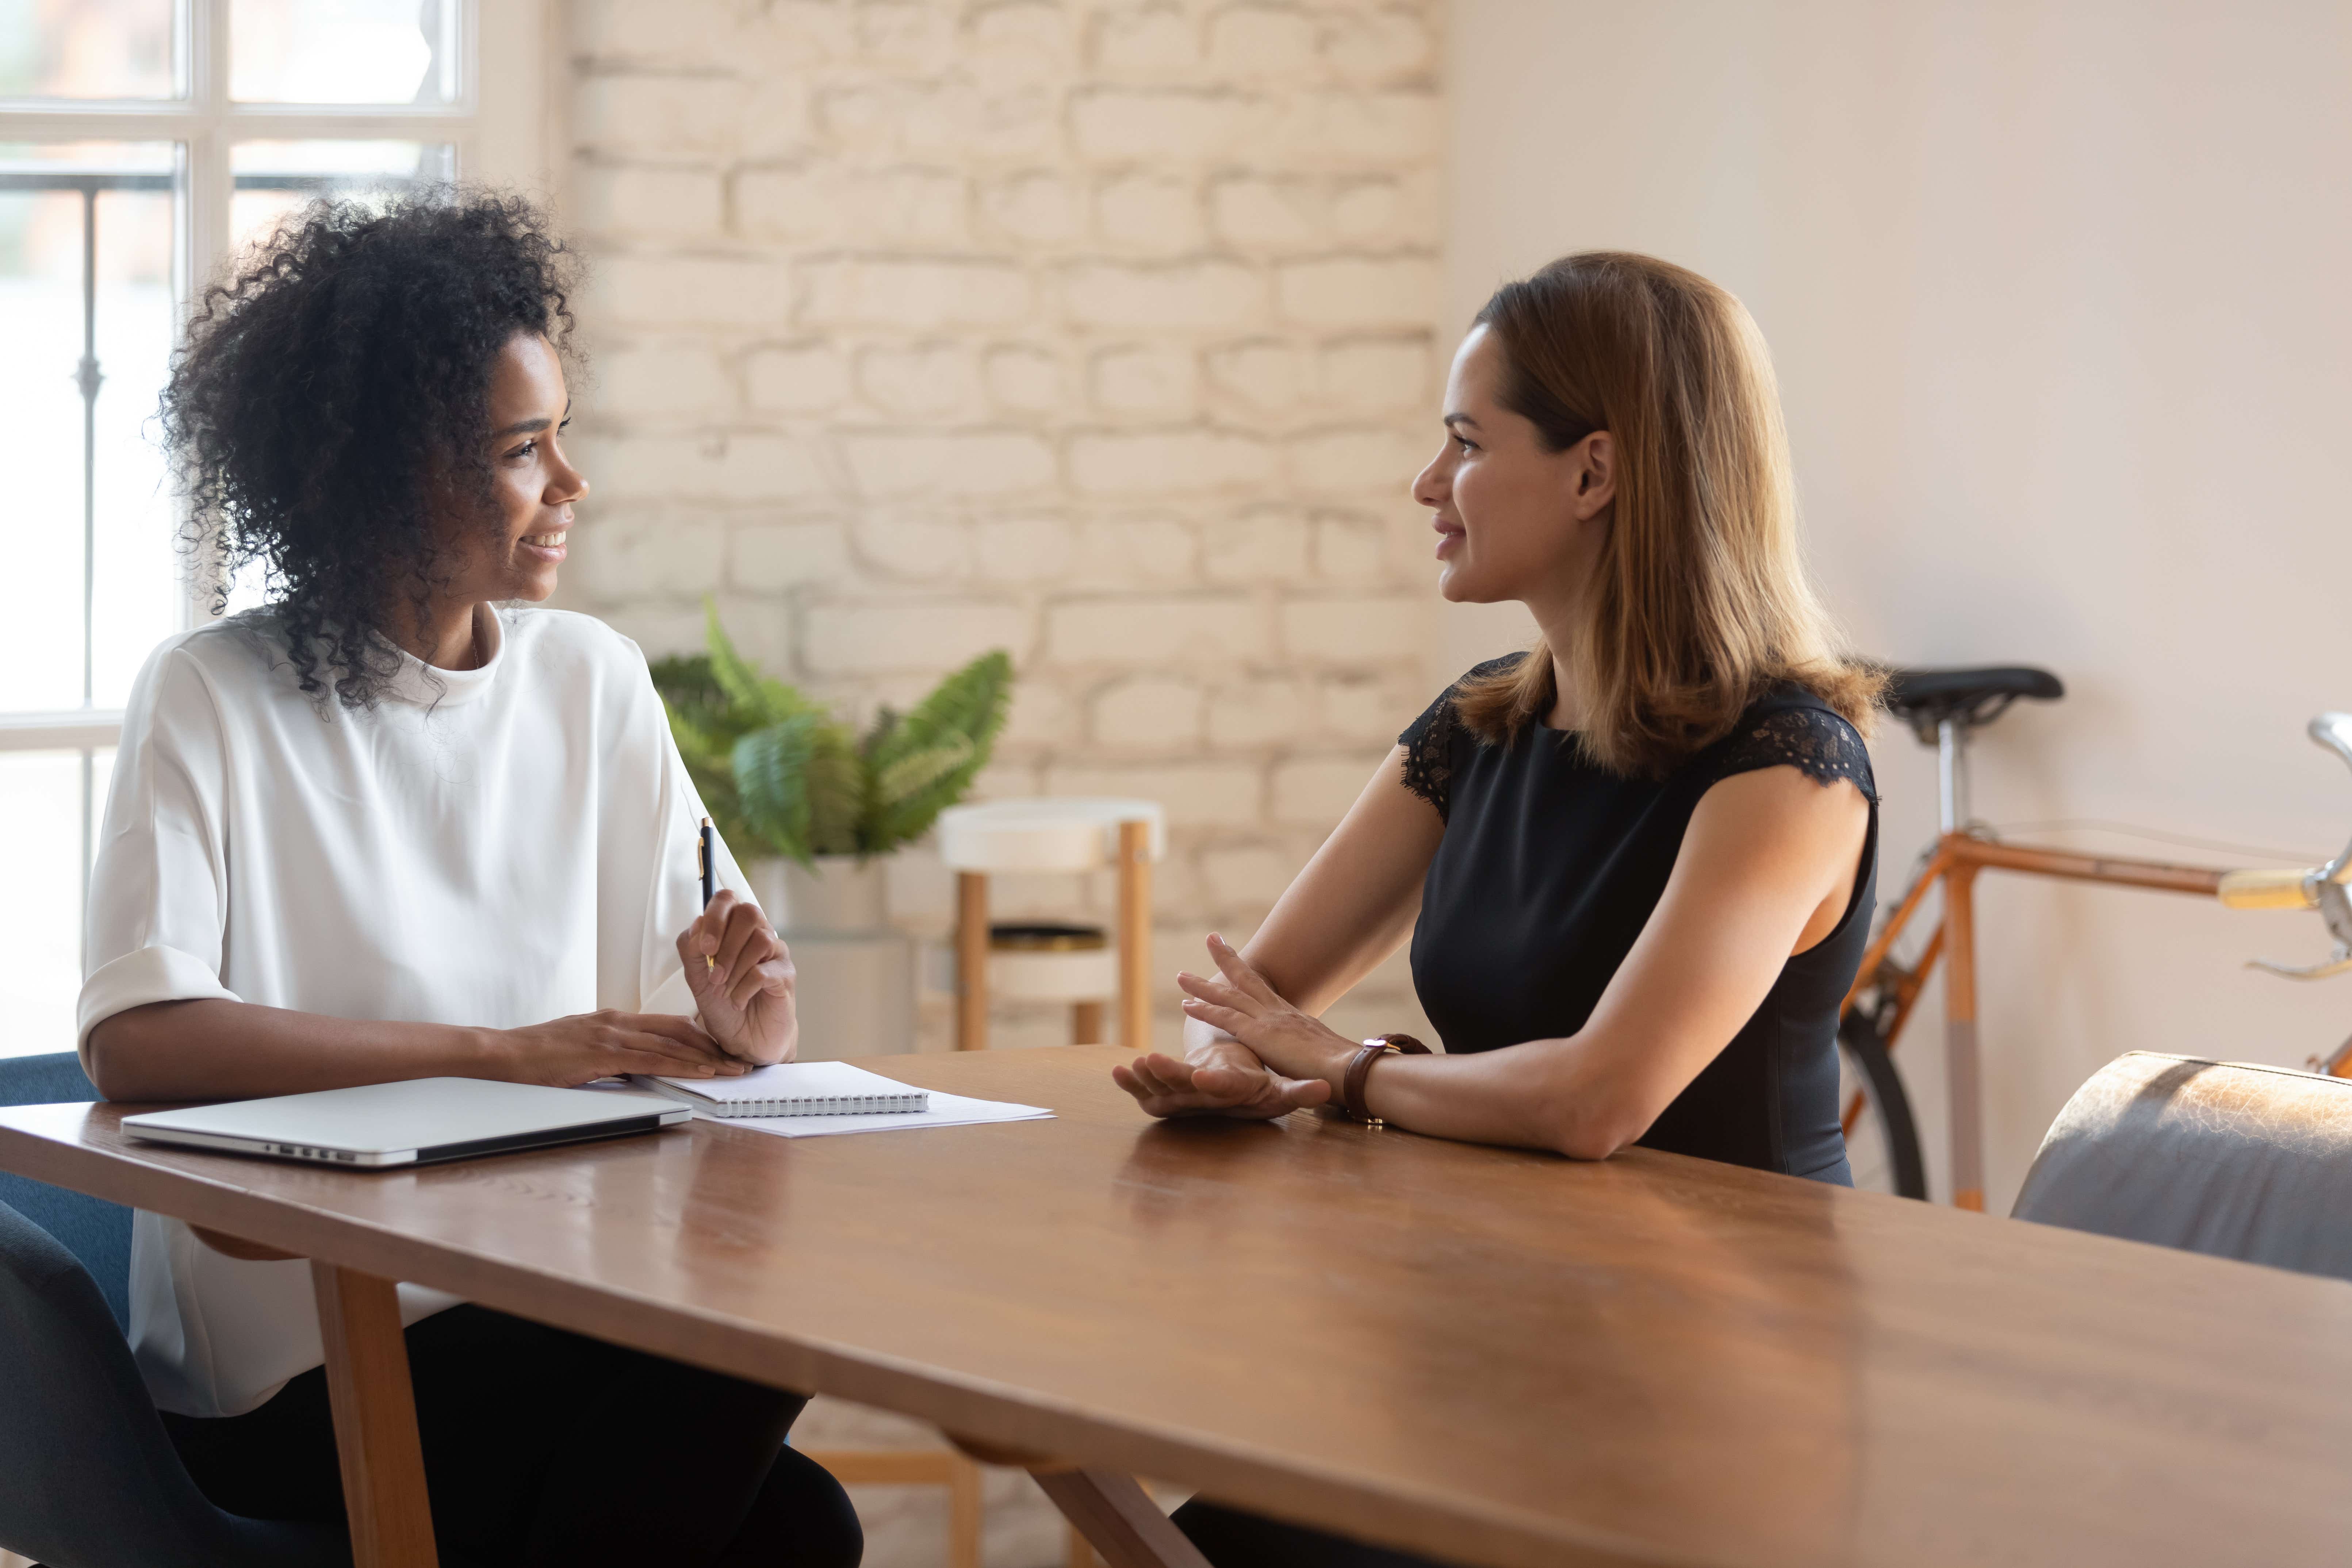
(1229, 1538)
(544, 1447)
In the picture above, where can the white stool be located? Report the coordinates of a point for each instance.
(1075, 835)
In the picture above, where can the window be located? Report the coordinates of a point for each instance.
(142, 143)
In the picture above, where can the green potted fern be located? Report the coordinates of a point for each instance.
(811, 807)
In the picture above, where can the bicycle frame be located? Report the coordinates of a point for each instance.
(1957, 860)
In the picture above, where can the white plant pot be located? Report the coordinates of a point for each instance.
(843, 894)
(855, 994)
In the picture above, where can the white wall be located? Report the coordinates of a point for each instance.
(1093, 329)
(2057, 293)
(522, 130)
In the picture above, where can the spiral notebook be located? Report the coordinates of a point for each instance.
(793, 1088)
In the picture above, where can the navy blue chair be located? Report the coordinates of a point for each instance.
(96, 1231)
(88, 1477)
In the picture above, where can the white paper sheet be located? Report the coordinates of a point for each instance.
(946, 1111)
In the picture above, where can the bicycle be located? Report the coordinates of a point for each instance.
(1943, 707)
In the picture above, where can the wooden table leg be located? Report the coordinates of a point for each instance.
(1119, 1518)
(375, 1419)
(1110, 1509)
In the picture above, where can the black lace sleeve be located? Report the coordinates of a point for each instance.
(1428, 740)
(1816, 742)
(1428, 743)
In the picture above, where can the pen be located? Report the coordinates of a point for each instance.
(704, 870)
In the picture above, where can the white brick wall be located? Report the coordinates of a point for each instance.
(1104, 331)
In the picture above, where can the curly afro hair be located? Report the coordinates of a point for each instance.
(331, 401)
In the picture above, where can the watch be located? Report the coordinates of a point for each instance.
(1352, 1083)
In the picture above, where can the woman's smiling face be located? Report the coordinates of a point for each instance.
(532, 483)
(1514, 520)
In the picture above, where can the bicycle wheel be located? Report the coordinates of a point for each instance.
(1882, 1144)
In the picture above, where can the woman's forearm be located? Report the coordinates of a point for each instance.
(1334, 925)
(215, 1050)
(1545, 1094)
(1354, 902)
(1584, 1096)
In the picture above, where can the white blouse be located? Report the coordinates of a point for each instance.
(494, 846)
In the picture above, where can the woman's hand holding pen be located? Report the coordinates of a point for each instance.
(743, 978)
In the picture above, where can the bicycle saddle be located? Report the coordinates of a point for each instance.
(1924, 699)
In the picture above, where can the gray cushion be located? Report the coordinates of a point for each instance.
(2238, 1161)
(93, 1230)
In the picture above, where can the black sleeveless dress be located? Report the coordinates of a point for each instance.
(1547, 872)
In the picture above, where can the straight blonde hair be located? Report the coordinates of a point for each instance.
(1701, 602)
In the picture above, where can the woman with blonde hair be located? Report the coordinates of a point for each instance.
(1636, 863)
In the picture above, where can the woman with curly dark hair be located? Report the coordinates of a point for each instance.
(405, 822)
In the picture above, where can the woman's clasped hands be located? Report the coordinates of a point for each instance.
(1265, 1057)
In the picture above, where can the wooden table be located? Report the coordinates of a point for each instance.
(1502, 1357)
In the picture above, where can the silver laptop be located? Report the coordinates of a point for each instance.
(412, 1123)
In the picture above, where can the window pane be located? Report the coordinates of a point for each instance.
(50, 196)
(41, 921)
(343, 51)
(87, 48)
(274, 178)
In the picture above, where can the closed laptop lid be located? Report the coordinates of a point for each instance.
(423, 1114)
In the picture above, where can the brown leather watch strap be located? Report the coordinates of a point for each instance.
(1359, 1066)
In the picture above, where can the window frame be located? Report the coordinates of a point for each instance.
(501, 135)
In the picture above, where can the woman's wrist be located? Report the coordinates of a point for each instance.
(483, 1053)
(1359, 1066)
(1335, 1071)
(1206, 1042)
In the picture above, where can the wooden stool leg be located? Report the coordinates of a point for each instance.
(972, 960)
(1135, 935)
(1086, 1024)
(375, 1419)
(1080, 1554)
(964, 1515)
(917, 1467)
